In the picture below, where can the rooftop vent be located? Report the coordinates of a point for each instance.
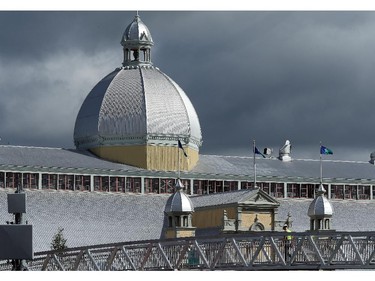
(284, 152)
(372, 158)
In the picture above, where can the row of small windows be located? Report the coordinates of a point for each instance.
(166, 186)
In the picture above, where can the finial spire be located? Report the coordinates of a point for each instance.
(179, 185)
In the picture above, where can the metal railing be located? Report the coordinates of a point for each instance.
(250, 251)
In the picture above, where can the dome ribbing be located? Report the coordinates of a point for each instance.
(137, 114)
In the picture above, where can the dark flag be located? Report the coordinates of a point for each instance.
(256, 151)
(180, 146)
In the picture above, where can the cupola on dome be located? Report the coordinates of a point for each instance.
(136, 114)
(136, 31)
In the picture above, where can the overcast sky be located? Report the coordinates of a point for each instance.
(269, 76)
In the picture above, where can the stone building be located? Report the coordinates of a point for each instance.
(215, 214)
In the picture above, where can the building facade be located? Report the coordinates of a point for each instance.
(127, 136)
(60, 169)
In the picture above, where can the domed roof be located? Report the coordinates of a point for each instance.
(137, 104)
(320, 207)
(136, 31)
(179, 201)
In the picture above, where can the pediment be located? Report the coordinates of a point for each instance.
(260, 197)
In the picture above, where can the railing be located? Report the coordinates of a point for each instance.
(251, 251)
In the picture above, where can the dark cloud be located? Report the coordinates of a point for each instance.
(269, 76)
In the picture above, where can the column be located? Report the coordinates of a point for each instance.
(285, 190)
(39, 180)
(5, 180)
(357, 191)
(238, 185)
(91, 183)
(142, 185)
(329, 191)
(239, 219)
(191, 186)
(371, 188)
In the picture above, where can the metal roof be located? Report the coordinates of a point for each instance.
(213, 167)
(90, 218)
(222, 198)
(320, 207)
(136, 31)
(297, 170)
(179, 202)
(349, 215)
(136, 106)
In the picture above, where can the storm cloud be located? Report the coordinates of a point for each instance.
(264, 76)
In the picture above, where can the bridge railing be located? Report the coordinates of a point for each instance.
(247, 251)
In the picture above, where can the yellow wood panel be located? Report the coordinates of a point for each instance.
(185, 233)
(176, 233)
(170, 234)
(212, 217)
(131, 155)
(166, 158)
(162, 158)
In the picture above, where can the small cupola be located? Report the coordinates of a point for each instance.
(284, 152)
(137, 43)
(179, 202)
(320, 211)
(179, 211)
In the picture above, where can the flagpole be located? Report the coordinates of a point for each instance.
(178, 165)
(321, 166)
(255, 166)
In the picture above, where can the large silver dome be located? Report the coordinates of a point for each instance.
(136, 106)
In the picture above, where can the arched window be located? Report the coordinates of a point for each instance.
(326, 224)
(177, 221)
(256, 226)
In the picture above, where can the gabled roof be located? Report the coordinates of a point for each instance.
(253, 196)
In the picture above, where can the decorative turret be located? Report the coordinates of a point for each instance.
(137, 43)
(320, 212)
(179, 210)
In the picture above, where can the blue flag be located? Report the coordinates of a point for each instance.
(180, 146)
(325, 150)
(256, 151)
